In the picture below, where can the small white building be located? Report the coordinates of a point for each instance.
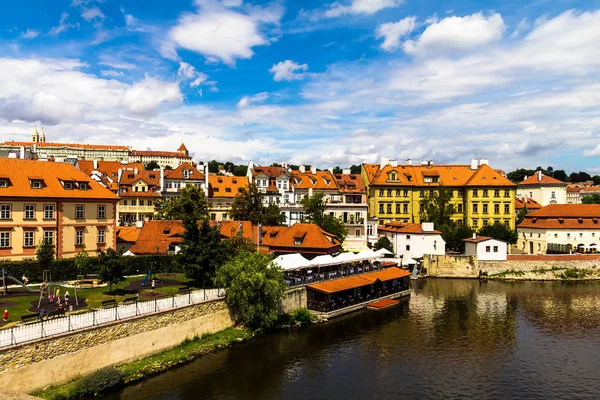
(413, 240)
(486, 248)
(543, 189)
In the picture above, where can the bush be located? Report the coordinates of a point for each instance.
(302, 315)
(96, 383)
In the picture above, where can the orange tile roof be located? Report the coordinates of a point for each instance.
(156, 236)
(308, 180)
(129, 177)
(271, 172)
(232, 228)
(152, 153)
(312, 236)
(545, 180)
(371, 171)
(177, 173)
(487, 176)
(270, 233)
(590, 189)
(19, 173)
(226, 186)
(351, 282)
(127, 234)
(72, 145)
(406, 227)
(350, 183)
(574, 189)
(182, 147)
(478, 239)
(108, 168)
(564, 216)
(528, 202)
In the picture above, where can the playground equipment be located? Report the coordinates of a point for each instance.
(146, 278)
(46, 288)
(6, 277)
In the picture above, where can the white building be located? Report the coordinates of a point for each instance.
(574, 195)
(543, 189)
(413, 240)
(171, 159)
(560, 228)
(174, 180)
(486, 248)
(588, 191)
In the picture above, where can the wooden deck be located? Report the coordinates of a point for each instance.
(381, 304)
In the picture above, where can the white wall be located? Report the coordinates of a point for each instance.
(543, 195)
(541, 237)
(489, 250)
(419, 244)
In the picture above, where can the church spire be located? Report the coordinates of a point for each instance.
(42, 136)
(35, 137)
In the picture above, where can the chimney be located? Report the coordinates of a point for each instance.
(473, 163)
(22, 152)
(135, 171)
(540, 175)
(162, 178)
(408, 161)
(313, 169)
(430, 162)
(394, 163)
(474, 236)
(119, 175)
(346, 171)
(427, 226)
(302, 169)
(330, 169)
(423, 162)
(384, 162)
(483, 161)
(95, 164)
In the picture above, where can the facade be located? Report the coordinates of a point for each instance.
(588, 191)
(138, 190)
(108, 173)
(307, 239)
(172, 181)
(56, 203)
(273, 182)
(413, 240)
(486, 248)
(543, 189)
(171, 159)
(574, 195)
(222, 191)
(353, 208)
(560, 228)
(481, 196)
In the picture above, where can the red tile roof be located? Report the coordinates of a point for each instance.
(108, 168)
(574, 189)
(177, 173)
(127, 234)
(156, 236)
(564, 216)
(226, 186)
(21, 172)
(312, 237)
(406, 227)
(350, 183)
(590, 189)
(182, 147)
(545, 180)
(530, 203)
(319, 180)
(271, 172)
(152, 153)
(351, 282)
(232, 228)
(478, 239)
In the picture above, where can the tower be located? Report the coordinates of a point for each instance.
(35, 137)
(42, 138)
(183, 150)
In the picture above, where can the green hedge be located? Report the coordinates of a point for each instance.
(65, 269)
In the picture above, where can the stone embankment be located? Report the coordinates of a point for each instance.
(555, 267)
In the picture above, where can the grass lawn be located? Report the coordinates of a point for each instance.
(94, 297)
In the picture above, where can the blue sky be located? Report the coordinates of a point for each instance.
(331, 83)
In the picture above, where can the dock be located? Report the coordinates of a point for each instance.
(382, 304)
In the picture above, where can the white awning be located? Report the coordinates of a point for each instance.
(323, 260)
(367, 255)
(292, 261)
(408, 261)
(128, 253)
(344, 258)
(383, 252)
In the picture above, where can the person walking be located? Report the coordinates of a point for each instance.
(5, 316)
(153, 285)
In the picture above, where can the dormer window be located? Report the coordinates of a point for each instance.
(68, 185)
(186, 174)
(297, 241)
(36, 184)
(83, 186)
(3, 183)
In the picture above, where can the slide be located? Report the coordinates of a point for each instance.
(146, 278)
(415, 272)
(18, 282)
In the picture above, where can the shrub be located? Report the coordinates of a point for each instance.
(96, 383)
(302, 315)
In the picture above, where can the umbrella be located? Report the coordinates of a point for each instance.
(383, 252)
(291, 261)
(367, 255)
(408, 261)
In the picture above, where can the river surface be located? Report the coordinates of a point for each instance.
(453, 339)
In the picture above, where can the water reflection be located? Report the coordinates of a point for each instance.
(452, 339)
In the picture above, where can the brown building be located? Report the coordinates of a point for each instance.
(56, 203)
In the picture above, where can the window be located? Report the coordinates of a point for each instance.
(381, 209)
(3, 183)
(79, 237)
(48, 237)
(79, 211)
(213, 217)
(485, 222)
(506, 208)
(124, 202)
(487, 249)
(421, 193)
(553, 195)
(405, 192)
(36, 184)
(28, 239)
(397, 208)
(29, 211)
(485, 193)
(101, 211)
(581, 235)
(370, 230)
(405, 208)
(507, 193)
(357, 216)
(460, 193)
(460, 208)
(495, 249)
(389, 193)
(485, 208)
(49, 211)
(506, 223)
(497, 193)
(496, 208)
(4, 239)
(397, 192)
(133, 202)
(357, 232)
(421, 208)
(297, 242)
(83, 186)
(408, 247)
(475, 193)
(407, 237)
(141, 202)
(539, 246)
(5, 211)
(475, 208)
(101, 236)
(389, 208)
(149, 202)
(381, 193)
(68, 185)
(556, 236)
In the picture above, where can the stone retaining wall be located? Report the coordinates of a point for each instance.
(451, 266)
(496, 267)
(295, 298)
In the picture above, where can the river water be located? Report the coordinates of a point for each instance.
(452, 339)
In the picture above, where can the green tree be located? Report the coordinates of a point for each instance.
(202, 250)
(237, 244)
(192, 203)
(596, 179)
(82, 261)
(521, 215)
(248, 206)
(591, 199)
(454, 235)
(254, 288)
(519, 174)
(500, 232)
(240, 170)
(383, 243)
(314, 212)
(152, 165)
(213, 166)
(437, 207)
(111, 267)
(355, 169)
(579, 176)
(45, 254)
(337, 170)
(561, 175)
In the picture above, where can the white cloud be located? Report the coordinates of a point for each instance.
(360, 7)
(145, 96)
(288, 70)
(29, 34)
(62, 24)
(221, 34)
(188, 72)
(248, 100)
(392, 32)
(522, 27)
(455, 34)
(90, 14)
(111, 73)
(116, 63)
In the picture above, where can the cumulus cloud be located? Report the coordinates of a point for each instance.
(29, 34)
(360, 7)
(111, 73)
(392, 32)
(288, 70)
(454, 34)
(145, 96)
(222, 34)
(90, 14)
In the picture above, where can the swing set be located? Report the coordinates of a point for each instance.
(48, 290)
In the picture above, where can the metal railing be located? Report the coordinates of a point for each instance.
(26, 332)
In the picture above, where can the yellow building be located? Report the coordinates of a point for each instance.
(481, 195)
(139, 191)
(56, 203)
(222, 191)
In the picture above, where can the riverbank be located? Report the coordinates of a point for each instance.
(121, 375)
(549, 274)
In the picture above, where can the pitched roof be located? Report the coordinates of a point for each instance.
(177, 173)
(406, 227)
(370, 171)
(232, 228)
(21, 172)
(319, 180)
(108, 168)
(535, 179)
(226, 186)
(564, 216)
(351, 282)
(574, 189)
(182, 147)
(156, 236)
(127, 233)
(311, 236)
(590, 189)
(528, 202)
(350, 183)
(478, 239)
(487, 176)
(71, 145)
(271, 172)
(568, 210)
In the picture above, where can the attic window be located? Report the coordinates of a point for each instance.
(83, 186)
(3, 183)
(220, 180)
(68, 185)
(595, 220)
(37, 184)
(297, 241)
(560, 220)
(483, 178)
(166, 231)
(580, 220)
(273, 234)
(152, 176)
(234, 181)
(534, 220)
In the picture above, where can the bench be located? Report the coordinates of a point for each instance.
(29, 317)
(109, 303)
(184, 289)
(61, 312)
(130, 300)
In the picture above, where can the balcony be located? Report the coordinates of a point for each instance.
(136, 209)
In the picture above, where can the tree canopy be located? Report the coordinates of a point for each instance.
(111, 269)
(202, 250)
(591, 199)
(248, 206)
(254, 288)
(192, 203)
(500, 232)
(314, 212)
(152, 165)
(383, 243)
(437, 207)
(44, 254)
(454, 235)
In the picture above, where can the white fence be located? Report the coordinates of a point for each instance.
(32, 331)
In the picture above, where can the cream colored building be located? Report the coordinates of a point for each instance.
(222, 191)
(543, 189)
(56, 203)
(171, 159)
